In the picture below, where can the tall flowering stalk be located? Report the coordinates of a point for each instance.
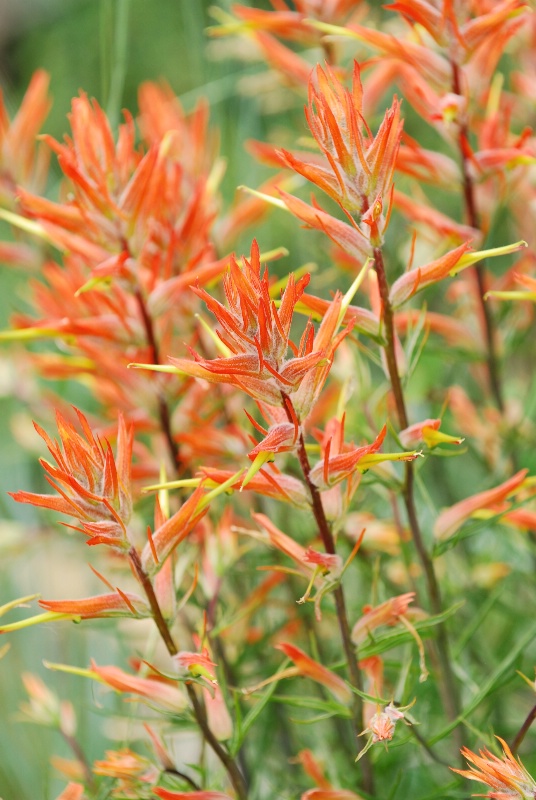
(90, 482)
(255, 334)
(358, 174)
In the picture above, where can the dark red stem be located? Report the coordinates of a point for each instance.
(163, 408)
(479, 269)
(449, 687)
(226, 759)
(350, 651)
(523, 730)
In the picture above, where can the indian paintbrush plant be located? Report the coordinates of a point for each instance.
(310, 487)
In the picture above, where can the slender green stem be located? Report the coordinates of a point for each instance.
(350, 651)
(224, 756)
(449, 688)
(479, 269)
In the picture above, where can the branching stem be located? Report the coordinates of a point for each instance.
(523, 730)
(350, 651)
(224, 756)
(448, 683)
(479, 269)
(163, 408)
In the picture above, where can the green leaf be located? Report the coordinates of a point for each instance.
(314, 704)
(415, 343)
(490, 684)
(476, 620)
(244, 725)
(394, 638)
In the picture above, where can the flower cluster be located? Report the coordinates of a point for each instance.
(92, 485)
(255, 334)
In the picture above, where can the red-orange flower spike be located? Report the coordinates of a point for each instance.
(330, 794)
(428, 432)
(196, 664)
(507, 777)
(386, 613)
(271, 483)
(292, 24)
(172, 532)
(163, 693)
(313, 768)
(359, 166)
(130, 209)
(73, 791)
(310, 668)
(132, 772)
(256, 335)
(45, 707)
(452, 21)
(92, 485)
(118, 604)
(450, 520)
(339, 460)
(19, 161)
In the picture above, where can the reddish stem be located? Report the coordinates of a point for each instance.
(80, 756)
(224, 756)
(479, 269)
(448, 683)
(523, 730)
(163, 409)
(349, 648)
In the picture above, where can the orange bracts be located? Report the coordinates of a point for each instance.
(428, 432)
(172, 532)
(74, 791)
(310, 668)
(117, 604)
(381, 727)
(139, 215)
(167, 794)
(507, 777)
(447, 265)
(453, 518)
(330, 794)
(45, 707)
(387, 613)
(358, 168)
(163, 693)
(196, 665)
(453, 20)
(255, 336)
(92, 486)
(134, 773)
(21, 163)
